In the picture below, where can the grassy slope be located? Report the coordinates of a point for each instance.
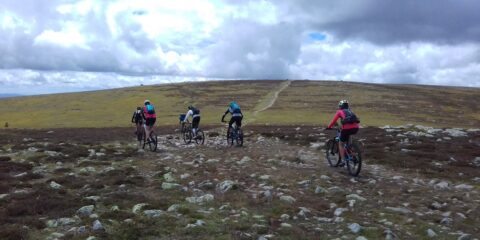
(302, 102)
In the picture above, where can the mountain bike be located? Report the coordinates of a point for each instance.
(235, 135)
(187, 133)
(353, 154)
(152, 140)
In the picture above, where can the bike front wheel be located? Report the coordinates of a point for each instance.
(187, 136)
(354, 164)
(200, 138)
(331, 153)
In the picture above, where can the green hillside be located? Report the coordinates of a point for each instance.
(298, 102)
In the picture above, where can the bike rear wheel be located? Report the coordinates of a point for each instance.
(354, 165)
(239, 137)
(200, 138)
(331, 153)
(153, 142)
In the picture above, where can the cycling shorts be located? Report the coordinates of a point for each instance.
(345, 134)
(150, 121)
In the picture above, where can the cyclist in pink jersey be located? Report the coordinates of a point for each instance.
(150, 117)
(350, 124)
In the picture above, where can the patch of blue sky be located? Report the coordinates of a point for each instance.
(317, 36)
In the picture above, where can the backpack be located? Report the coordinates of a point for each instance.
(350, 117)
(195, 111)
(235, 108)
(150, 109)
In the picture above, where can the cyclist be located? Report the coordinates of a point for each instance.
(237, 116)
(137, 118)
(350, 125)
(195, 113)
(150, 117)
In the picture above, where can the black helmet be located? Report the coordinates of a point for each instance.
(190, 107)
(139, 108)
(343, 104)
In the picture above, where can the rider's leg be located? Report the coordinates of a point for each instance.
(232, 119)
(195, 123)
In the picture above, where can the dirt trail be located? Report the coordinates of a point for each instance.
(268, 101)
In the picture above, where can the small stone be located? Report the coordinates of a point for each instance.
(85, 210)
(264, 177)
(225, 186)
(114, 208)
(446, 221)
(138, 207)
(398, 210)
(356, 197)
(168, 177)
(3, 196)
(465, 236)
(153, 213)
(97, 226)
(355, 228)
(287, 199)
(91, 238)
(200, 200)
(93, 198)
(285, 217)
(55, 185)
(431, 233)
(285, 225)
(168, 185)
(339, 211)
(464, 187)
(361, 238)
(200, 222)
(173, 208)
(56, 235)
(319, 189)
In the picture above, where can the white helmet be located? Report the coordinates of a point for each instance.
(146, 101)
(342, 103)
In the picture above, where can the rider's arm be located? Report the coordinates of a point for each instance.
(133, 117)
(225, 114)
(190, 112)
(335, 118)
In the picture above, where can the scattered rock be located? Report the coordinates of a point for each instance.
(356, 197)
(225, 186)
(476, 162)
(285, 217)
(168, 185)
(173, 208)
(153, 213)
(285, 225)
(244, 160)
(339, 211)
(464, 187)
(55, 185)
(398, 210)
(443, 185)
(264, 177)
(3, 196)
(431, 233)
(86, 210)
(200, 200)
(168, 177)
(455, 132)
(355, 228)
(212, 161)
(319, 189)
(287, 199)
(138, 207)
(97, 226)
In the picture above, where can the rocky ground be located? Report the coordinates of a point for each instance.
(416, 183)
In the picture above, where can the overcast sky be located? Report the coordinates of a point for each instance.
(53, 46)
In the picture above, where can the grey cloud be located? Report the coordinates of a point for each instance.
(391, 21)
(248, 49)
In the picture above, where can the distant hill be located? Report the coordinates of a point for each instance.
(263, 102)
(8, 95)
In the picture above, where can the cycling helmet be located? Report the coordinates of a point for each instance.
(232, 103)
(146, 102)
(139, 108)
(190, 107)
(343, 104)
